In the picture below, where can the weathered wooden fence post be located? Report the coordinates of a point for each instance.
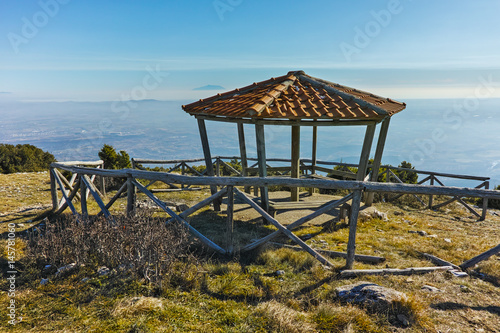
(485, 202)
(208, 159)
(217, 166)
(295, 167)
(243, 153)
(102, 183)
(430, 195)
(261, 155)
(53, 190)
(83, 194)
(384, 128)
(353, 222)
(230, 220)
(183, 171)
(131, 196)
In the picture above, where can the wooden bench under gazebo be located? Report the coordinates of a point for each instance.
(296, 100)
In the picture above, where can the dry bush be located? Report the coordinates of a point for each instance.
(141, 244)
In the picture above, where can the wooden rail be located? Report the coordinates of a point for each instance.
(310, 167)
(228, 185)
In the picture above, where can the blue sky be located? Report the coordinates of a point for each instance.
(111, 50)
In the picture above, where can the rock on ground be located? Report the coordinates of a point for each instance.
(371, 213)
(370, 295)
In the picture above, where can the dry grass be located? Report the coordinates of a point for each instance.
(284, 319)
(335, 318)
(136, 305)
(208, 293)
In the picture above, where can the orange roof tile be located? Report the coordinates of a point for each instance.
(296, 96)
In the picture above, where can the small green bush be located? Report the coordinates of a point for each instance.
(113, 160)
(24, 158)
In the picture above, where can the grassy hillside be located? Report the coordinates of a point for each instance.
(276, 290)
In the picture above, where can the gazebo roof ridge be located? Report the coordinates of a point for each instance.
(296, 96)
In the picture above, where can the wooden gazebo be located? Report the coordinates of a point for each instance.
(296, 99)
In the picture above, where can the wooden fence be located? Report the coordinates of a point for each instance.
(227, 187)
(310, 168)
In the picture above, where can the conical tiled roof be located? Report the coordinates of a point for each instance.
(296, 96)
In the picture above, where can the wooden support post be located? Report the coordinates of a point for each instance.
(365, 152)
(243, 153)
(261, 156)
(314, 156)
(102, 185)
(314, 149)
(208, 158)
(384, 128)
(431, 196)
(353, 221)
(295, 173)
(130, 196)
(53, 190)
(230, 221)
(83, 194)
(183, 172)
(217, 166)
(485, 202)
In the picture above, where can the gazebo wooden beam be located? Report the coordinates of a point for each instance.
(314, 154)
(208, 158)
(314, 149)
(261, 156)
(384, 128)
(243, 153)
(291, 122)
(295, 172)
(365, 152)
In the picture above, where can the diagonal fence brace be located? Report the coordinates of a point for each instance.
(162, 205)
(299, 222)
(283, 230)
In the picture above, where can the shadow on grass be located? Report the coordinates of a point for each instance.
(445, 306)
(487, 278)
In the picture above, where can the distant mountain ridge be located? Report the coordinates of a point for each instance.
(210, 87)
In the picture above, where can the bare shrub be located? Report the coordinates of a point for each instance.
(141, 244)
